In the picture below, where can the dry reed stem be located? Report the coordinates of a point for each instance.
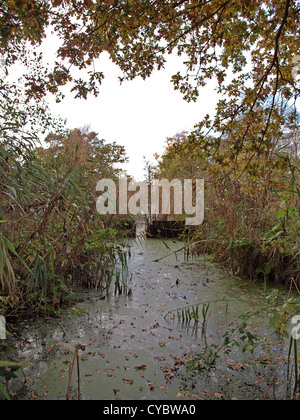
(271, 383)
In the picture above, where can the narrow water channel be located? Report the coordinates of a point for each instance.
(136, 348)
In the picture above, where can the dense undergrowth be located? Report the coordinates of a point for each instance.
(252, 213)
(51, 236)
(256, 236)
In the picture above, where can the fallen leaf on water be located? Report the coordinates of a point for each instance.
(159, 359)
(65, 352)
(102, 355)
(265, 362)
(128, 381)
(236, 368)
(142, 367)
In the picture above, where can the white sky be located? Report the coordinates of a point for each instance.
(138, 114)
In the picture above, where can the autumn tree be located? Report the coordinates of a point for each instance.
(252, 220)
(178, 160)
(84, 152)
(250, 48)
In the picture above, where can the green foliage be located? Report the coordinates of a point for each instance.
(205, 361)
(242, 336)
(187, 314)
(9, 365)
(294, 348)
(4, 392)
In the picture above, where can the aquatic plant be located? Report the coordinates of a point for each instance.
(241, 336)
(10, 365)
(75, 351)
(187, 314)
(294, 348)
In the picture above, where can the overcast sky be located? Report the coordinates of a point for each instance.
(138, 114)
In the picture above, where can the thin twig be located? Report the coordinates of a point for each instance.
(271, 383)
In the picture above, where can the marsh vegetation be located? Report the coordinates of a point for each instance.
(55, 247)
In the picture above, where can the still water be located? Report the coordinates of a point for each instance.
(135, 347)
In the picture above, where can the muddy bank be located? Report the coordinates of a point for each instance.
(136, 348)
